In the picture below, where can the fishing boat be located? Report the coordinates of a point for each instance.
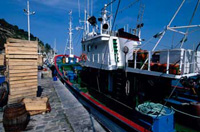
(115, 79)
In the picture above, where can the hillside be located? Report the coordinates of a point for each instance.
(8, 30)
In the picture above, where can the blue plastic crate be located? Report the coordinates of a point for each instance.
(164, 123)
(148, 115)
(2, 79)
(54, 78)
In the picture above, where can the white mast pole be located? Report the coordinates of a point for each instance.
(28, 16)
(88, 14)
(70, 34)
(28, 13)
(85, 22)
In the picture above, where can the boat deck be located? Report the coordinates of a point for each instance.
(67, 113)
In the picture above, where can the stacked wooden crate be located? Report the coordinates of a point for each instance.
(40, 60)
(21, 66)
(1, 59)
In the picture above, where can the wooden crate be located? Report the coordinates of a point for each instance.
(18, 98)
(40, 60)
(22, 90)
(39, 103)
(1, 59)
(22, 68)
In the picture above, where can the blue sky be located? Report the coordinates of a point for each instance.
(51, 19)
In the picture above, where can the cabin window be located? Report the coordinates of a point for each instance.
(95, 47)
(83, 47)
(88, 48)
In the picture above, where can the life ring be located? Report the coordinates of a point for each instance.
(83, 57)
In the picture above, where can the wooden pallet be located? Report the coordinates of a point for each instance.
(22, 68)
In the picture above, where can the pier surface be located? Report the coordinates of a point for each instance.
(67, 114)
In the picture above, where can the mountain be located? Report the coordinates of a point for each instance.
(12, 31)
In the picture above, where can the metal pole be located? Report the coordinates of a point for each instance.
(28, 16)
(149, 64)
(28, 13)
(167, 70)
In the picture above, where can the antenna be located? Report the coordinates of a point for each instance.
(28, 13)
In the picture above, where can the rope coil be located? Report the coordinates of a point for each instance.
(153, 109)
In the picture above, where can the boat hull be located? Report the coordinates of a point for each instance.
(112, 120)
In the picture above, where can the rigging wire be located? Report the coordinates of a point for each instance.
(115, 16)
(66, 46)
(186, 33)
(91, 7)
(193, 31)
(77, 40)
(75, 36)
(197, 117)
(79, 10)
(128, 6)
(88, 7)
(108, 4)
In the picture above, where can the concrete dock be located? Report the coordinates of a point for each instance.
(67, 114)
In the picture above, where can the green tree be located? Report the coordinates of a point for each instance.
(47, 47)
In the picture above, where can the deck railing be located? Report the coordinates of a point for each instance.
(184, 61)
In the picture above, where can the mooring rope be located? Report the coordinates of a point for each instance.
(198, 117)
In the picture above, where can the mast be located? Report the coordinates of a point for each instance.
(70, 48)
(28, 13)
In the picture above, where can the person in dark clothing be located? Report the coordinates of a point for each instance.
(53, 70)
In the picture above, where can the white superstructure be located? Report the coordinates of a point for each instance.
(103, 47)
